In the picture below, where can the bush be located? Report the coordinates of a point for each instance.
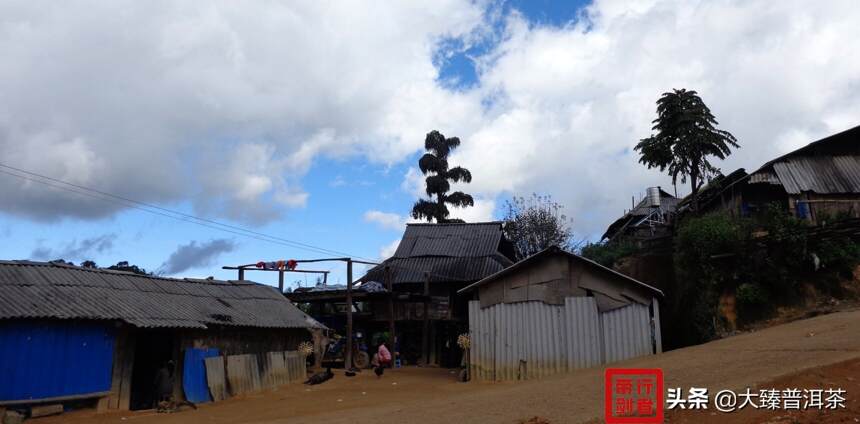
(761, 259)
(750, 294)
(707, 251)
(607, 254)
(839, 255)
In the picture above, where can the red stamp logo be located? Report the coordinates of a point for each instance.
(633, 395)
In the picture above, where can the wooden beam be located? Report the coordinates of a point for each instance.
(120, 349)
(425, 330)
(281, 281)
(127, 366)
(347, 363)
(254, 268)
(392, 338)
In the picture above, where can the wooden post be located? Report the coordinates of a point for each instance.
(392, 338)
(425, 331)
(347, 363)
(241, 274)
(127, 367)
(658, 335)
(281, 281)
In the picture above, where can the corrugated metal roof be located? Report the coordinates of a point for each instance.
(555, 250)
(764, 177)
(668, 203)
(453, 240)
(819, 174)
(827, 166)
(51, 290)
(449, 252)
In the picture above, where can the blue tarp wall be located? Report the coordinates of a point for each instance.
(40, 360)
(194, 374)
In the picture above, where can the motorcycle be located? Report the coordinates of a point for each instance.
(334, 354)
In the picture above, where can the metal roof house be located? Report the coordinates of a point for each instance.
(70, 333)
(448, 253)
(817, 182)
(649, 218)
(430, 264)
(555, 312)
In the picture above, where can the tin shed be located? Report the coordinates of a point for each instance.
(556, 312)
(71, 334)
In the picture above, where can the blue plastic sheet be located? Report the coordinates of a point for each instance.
(194, 374)
(41, 360)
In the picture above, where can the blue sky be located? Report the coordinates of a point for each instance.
(340, 191)
(305, 120)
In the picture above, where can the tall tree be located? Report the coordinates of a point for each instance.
(686, 136)
(536, 223)
(434, 164)
(125, 266)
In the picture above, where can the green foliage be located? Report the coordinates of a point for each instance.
(707, 248)
(536, 223)
(751, 294)
(778, 261)
(762, 260)
(839, 255)
(434, 164)
(608, 253)
(686, 137)
(124, 266)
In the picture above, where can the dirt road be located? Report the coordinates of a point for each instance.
(432, 396)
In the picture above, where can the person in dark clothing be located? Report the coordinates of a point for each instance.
(164, 383)
(320, 378)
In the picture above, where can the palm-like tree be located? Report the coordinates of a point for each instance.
(435, 163)
(686, 137)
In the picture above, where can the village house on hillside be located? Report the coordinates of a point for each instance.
(70, 333)
(430, 264)
(556, 312)
(650, 218)
(818, 183)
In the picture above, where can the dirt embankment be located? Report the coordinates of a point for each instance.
(844, 375)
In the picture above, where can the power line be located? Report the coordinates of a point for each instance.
(181, 216)
(169, 213)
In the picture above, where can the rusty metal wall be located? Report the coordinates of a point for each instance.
(527, 340)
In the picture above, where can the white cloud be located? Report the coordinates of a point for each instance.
(155, 100)
(482, 211)
(388, 250)
(228, 104)
(570, 103)
(385, 220)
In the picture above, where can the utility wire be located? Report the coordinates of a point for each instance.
(181, 216)
(169, 213)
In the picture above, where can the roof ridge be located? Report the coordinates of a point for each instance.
(454, 223)
(70, 267)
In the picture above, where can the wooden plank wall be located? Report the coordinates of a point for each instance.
(245, 375)
(215, 378)
(297, 366)
(275, 370)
